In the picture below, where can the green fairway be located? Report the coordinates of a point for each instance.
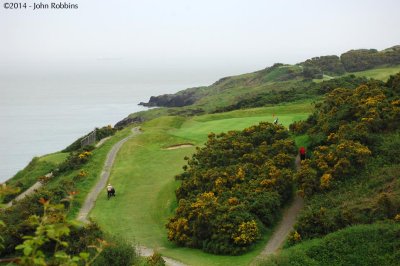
(143, 176)
(379, 73)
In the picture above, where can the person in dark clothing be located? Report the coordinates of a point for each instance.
(110, 191)
(302, 152)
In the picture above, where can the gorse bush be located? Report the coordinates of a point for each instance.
(352, 175)
(342, 129)
(118, 252)
(75, 160)
(232, 188)
(36, 232)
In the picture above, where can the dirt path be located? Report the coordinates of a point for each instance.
(29, 191)
(35, 187)
(101, 142)
(285, 226)
(146, 252)
(92, 196)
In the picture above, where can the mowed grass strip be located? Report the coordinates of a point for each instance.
(379, 73)
(197, 128)
(143, 176)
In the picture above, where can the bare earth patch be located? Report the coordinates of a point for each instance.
(179, 146)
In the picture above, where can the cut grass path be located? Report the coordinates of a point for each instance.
(143, 176)
(94, 193)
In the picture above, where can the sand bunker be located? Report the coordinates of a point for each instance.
(179, 146)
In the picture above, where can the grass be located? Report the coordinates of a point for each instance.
(324, 78)
(302, 140)
(365, 245)
(93, 168)
(55, 158)
(143, 175)
(197, 128)
(379, 73)
(30, 174)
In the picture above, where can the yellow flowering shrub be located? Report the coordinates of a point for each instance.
(246, 233)
(233, 201)
(294, 237)
(325, 180)
(178, 230)
(84, 154)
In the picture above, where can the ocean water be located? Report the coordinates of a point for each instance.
(42, 117)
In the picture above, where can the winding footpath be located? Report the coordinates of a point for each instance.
(35, 187)
(105, 174)
(284, 227)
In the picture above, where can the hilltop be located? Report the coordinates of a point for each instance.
(275, 84)
(229, 89)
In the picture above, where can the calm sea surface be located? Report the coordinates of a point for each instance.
(41, 117)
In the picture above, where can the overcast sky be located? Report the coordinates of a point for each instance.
(194, 40)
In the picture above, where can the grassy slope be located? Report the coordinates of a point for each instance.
(381, 73)
(230, 90)
(36, 168)
(54, 158)
(366, 245)
(144, 178)
(93, 168)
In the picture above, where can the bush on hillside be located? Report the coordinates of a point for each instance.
(368, 245)
(101, 133)
(343, 127)
(232, 188)
(362, 59)
(118, 252)
(329, 65)
(75, 160)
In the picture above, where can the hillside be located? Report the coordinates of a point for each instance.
(235, 174)
(277, 78)
(366, 245)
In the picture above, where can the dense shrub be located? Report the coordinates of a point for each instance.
(330, 65)
(366, 245)
(232, 188)
(362, 59)
(118, 252)
(75, 160)
(155, 260)
(343, 127)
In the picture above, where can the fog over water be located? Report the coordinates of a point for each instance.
(45, 116)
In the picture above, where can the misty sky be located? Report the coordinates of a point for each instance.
(196, 41)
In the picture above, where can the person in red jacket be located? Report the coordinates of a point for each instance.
(302, 152)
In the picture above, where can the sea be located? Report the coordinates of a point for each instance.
(41, 117)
